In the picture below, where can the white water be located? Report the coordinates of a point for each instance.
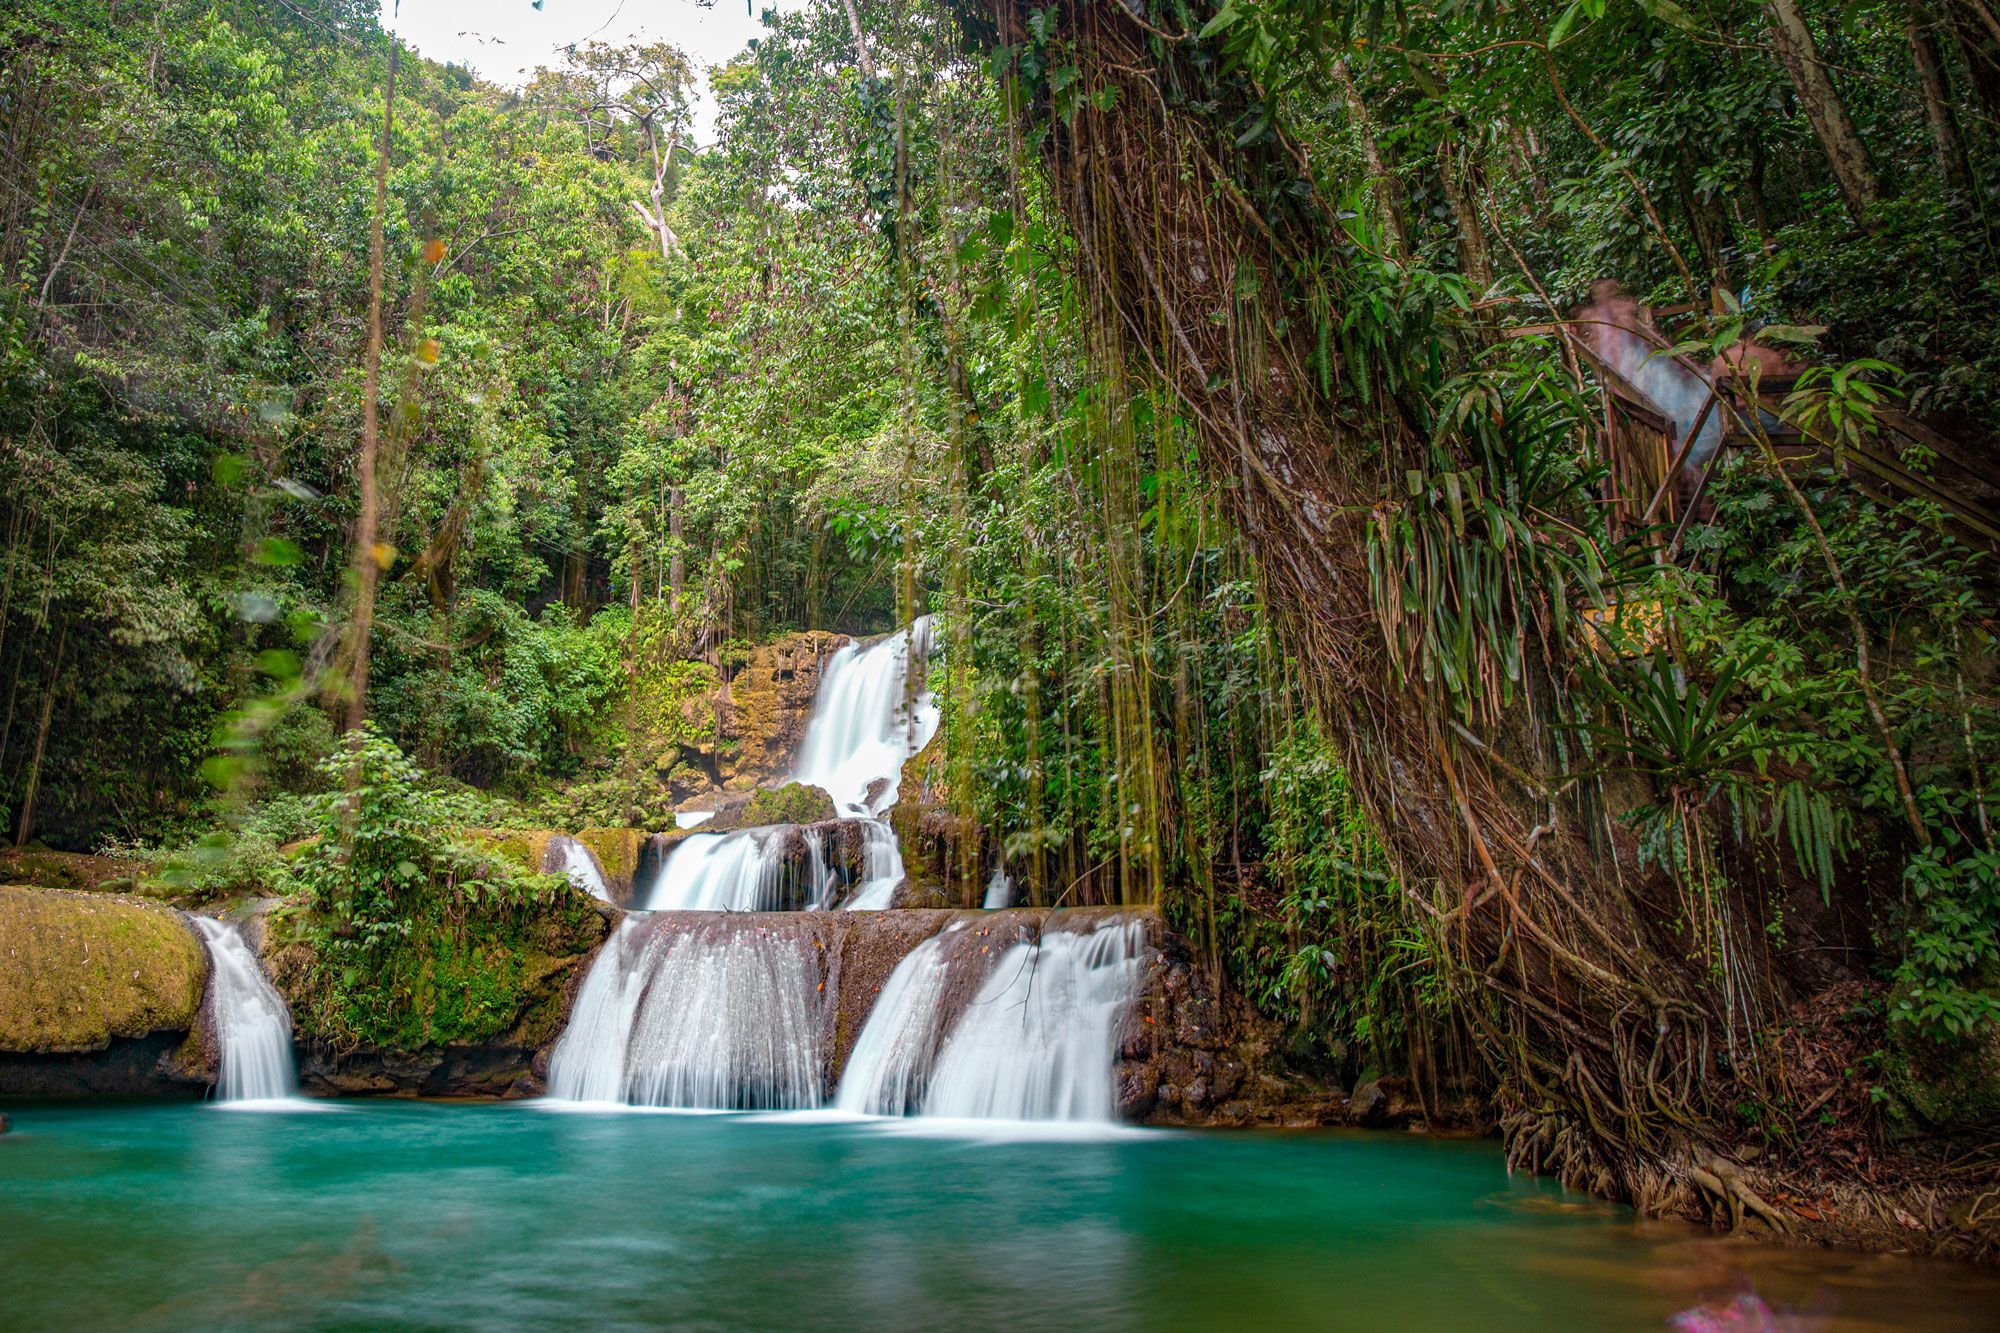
(999, 890)
(741, 871)
(890, 1066)
(692, 818)
(579, 863)
(881, 867)
(1039, 1041)
(866, 721)
(588, 1063)
(252, 1025)
(707, 1019)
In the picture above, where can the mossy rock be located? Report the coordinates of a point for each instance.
(1943, 1089)
(78, 969)
(617, 853)
(793, 803)
(523, 847)
(70, 870)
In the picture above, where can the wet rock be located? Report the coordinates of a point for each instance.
(1368, 1103)
(1138, 1090)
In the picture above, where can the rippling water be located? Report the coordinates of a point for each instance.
(438, 1215)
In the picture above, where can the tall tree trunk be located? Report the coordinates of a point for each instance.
(1576, 977)
(367, 540)
(25, 829)
(676, 557)
(1946, 144)
(1458, 164)
(1853, 170)
(1388, 192)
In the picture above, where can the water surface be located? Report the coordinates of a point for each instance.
(480, 1216)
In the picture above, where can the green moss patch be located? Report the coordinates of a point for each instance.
(77, 969)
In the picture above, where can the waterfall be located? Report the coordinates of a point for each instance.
(588, 1064)
(1039, 1040)
(891, 1063)
(696, 1015)
(881, 867)
(999, 890)
(692, 818)
(252, 1025)
(741, 871)
(865, 722)
(569, 857)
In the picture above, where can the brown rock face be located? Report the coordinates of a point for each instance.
(768, 701)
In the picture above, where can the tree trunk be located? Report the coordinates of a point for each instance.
(25, 829)
(1853, 171)
(1388, 192)
(1946, 144)
(367, 558)
(1574, 976)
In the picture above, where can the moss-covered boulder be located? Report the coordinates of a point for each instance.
(1942, 1089)
(80, 969)
(70, 870)
(617, 852)
(793, 803)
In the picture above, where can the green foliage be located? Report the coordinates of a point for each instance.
(416, 938)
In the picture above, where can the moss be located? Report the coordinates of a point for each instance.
(518, 846)
(77, 969)
(617, 853)
(497, 970)
(1942, 1088)
(70, 870)
(793, 803)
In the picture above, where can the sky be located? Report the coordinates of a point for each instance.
(504, 40)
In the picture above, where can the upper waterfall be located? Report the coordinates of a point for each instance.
(868, 718)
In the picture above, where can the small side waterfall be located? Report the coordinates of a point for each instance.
(1040, 1039)
(252, 1024)
(565, 855)
(696, 1014)
(890, 1066)
(881, 868)
(999, 890)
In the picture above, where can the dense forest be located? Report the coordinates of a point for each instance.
(1248, 391)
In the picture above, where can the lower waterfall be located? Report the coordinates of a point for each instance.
(709, 1015)
(890, 1065)
(252, 1025)
(1039, 1040)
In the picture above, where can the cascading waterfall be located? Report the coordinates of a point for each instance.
(999, 890)
(741, 871)
(728, 1023)
(881, 867)
(705, 1016)
(252, 1024)
(890, 1066)
(1040, 1039)
(567, 856)
(866, 721)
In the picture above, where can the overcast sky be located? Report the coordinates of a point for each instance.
(504, 40)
